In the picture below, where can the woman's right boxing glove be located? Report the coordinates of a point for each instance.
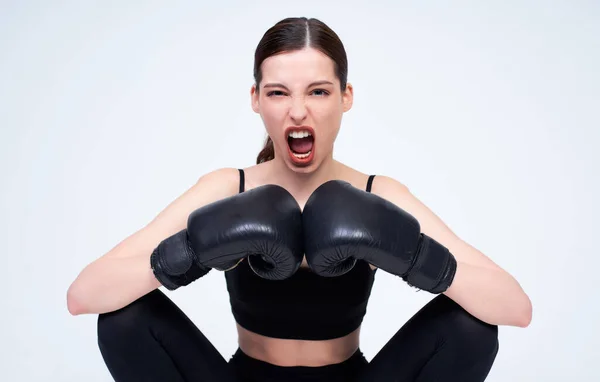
(263, 225)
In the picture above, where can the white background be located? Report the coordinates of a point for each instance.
(489, 113)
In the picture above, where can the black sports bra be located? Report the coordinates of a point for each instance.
(304, 306)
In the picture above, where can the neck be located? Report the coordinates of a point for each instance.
(301, 183)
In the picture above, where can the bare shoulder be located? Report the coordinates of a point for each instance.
(208, 188)
(390, 188)
(257, 175)
(398, 193)
(382, 185)
(219, 183)
(431, 224)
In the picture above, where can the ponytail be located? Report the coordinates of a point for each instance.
(267, 153)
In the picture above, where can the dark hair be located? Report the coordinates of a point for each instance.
(292, 34)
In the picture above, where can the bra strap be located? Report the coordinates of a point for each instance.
(242, 180)
(370, 183)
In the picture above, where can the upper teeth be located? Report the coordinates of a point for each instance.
(300, 134)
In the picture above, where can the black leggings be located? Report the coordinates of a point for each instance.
(153, 340)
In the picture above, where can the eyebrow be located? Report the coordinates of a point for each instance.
(278, 85)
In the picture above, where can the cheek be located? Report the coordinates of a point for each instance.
(329, 119)
(273, 116)
(325, 108)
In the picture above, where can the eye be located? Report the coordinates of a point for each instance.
(275, 93)
(321, 92)
(278, 93)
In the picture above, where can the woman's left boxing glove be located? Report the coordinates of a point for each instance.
(343, 224)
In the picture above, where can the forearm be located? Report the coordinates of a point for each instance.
(111, 283)
(491, 295)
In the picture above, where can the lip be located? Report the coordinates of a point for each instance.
(301, 162)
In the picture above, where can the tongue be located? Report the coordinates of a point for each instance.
(301, 145)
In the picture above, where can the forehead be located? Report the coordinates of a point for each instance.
(301, 66)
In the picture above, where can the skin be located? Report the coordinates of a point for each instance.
(287, 97)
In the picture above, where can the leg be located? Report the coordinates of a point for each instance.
(153, 340)
(442, 342)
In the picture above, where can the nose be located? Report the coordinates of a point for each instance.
(298, 110)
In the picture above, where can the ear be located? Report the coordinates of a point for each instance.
(348, 97)
(254, 99)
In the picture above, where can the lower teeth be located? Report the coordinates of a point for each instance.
(302, 156)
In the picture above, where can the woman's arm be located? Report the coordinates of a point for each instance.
(480, 286)
(123, 275)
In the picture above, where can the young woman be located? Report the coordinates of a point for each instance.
(299, 237)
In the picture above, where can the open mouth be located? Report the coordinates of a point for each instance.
(301, 145)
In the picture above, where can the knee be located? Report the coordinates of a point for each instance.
(476, 337)
(128, 321)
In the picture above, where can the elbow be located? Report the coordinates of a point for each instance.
(524, 313)
(74, 301)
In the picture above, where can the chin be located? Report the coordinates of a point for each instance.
(302, 169)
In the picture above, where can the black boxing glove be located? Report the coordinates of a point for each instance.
(173, 262)
(343, 224)
(263, 225)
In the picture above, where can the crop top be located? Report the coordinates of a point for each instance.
(304, 306)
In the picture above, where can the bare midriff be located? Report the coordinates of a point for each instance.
(284, 352)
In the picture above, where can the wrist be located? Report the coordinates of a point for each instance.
(433, 268)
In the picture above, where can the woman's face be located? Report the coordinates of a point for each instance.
(301, 105)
